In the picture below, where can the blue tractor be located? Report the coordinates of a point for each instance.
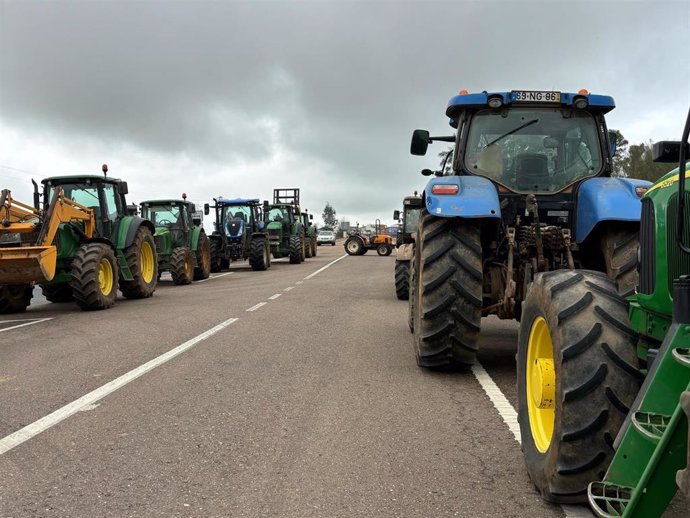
(239, 234)
(530, 190)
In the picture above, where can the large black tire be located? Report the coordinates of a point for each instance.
(620, 254)
(181, 265)
(57, 292)
(144, 273)
(412, 297)
(313, 247)
(216, 255)
(402, 279)
(383, 250)
(202, 270)
(353, 246)
(15, 298)
(307, 249)
(303, 248)
(595, 373)
(259, 254)
(448, 292)
(94, 277)
(295, 250)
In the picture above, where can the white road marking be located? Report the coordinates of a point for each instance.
(299, 282)
(273, 297)
(216, 276)
(322, 269)
(256, 306)
(27, 322)
(24, 434)
(289, 288)
(510, 418)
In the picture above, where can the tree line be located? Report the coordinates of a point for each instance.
(635, 161)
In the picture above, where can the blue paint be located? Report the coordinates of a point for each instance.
(606, 199)
(476, 198)
(223, 202)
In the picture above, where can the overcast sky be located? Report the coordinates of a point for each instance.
(235, 98)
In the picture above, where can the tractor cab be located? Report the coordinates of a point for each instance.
(170, 216)
(408, 218)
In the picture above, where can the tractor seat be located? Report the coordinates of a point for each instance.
(532, 171)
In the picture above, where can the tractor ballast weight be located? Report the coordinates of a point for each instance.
(359, 242)
(239, 234)
(404, 241)
(182, 246)
(284, 225)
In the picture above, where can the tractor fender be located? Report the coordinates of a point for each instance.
(101, 240)
(126, 229)
(259, 234)
(405, 252)
(606, 199)
(476, 198)
(194, 234)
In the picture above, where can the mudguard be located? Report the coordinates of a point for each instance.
(476, 198)
(606, 199)
(194, 237)
(126, 228)
(405, 252)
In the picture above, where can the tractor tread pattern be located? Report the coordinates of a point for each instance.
(295, 253)
(216, 256)
(620, 255)
(402, 280)
(202, 271)
(138, 288)
(259, 257)
(15, 299)
(178, 259)
(85, 285)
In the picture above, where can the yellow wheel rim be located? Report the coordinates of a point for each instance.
(189, 266)
(541, 384)
(146, 263)
(105, 277)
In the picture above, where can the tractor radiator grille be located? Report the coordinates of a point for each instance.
(678, 261)
(647, 264)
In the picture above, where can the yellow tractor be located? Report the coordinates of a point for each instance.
(358, 243)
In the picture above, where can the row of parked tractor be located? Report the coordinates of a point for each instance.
(80, 241)
(530, 225)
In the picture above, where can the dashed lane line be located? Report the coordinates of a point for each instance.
(324, 267)
(24, 434)
(25, 322)
(216, 276)
(289, 288)
(256, 306)
(273, 297)
(510, 418)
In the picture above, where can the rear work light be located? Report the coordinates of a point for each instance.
(445, 189)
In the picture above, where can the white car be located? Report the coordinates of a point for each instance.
(325, 237)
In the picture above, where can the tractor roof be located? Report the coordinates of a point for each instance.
(57, 180)
(595, 103)
(166, 202)
(222, 202)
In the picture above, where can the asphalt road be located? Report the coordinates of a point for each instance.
(292, 395)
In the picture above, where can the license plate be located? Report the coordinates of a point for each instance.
(533, 96)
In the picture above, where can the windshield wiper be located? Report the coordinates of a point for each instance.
(528, 123)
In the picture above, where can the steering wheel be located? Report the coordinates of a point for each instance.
(165, 222)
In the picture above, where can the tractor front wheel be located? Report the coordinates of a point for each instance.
(142, 263)
(383, 250)
(296, 250)
(354, 246)
(15, 298)
(259, 254)
(57, 292)
(577, 375)
(620, 254)
(203, 258)
(94, 277)
(447, 291)
(402, 279)
(216, 258)
(313, 247)
(181, 265)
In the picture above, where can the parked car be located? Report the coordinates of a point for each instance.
(325, 237)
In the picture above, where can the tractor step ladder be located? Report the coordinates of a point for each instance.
(641, 479)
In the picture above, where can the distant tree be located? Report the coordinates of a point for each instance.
(446, 160)
(620, 160)
(328, 216)
(640, 164)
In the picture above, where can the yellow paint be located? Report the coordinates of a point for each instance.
(105, 277)
(146, 262)
(541, 384)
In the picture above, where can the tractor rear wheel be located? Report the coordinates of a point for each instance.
(302, 248)
(577, 375)
(354, 246)
(412, 296)
(313, 247)
(402, 279)
(141, 260)
(203, 258)
(94, 277)
(307, 250)
(215, 252)
(383, 250)
(57, 292)
(181, 265)
(296, 250)
(620, 254)
(448, 292)
(15, 298)
(259, 254)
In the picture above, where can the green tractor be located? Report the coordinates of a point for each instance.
(309, 234)
(239, 234)
(181, 244)
(79, 246)
(604, 381)
(404, 243)
(286, 233)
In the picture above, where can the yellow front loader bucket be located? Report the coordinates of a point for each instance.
(26, 264)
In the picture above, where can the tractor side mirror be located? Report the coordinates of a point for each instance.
(396, 215)
(132, 210)
(427, 172)
(265, 207)
(420, 142)
(207, 209)
(122, 188)
(311, 216)
(196, 221)
(668, 151)
(612, 142)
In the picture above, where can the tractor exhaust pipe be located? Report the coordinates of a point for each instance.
(37, 196)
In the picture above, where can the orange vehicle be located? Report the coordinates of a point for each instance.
(359, 243)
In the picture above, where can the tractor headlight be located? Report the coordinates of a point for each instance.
(495, 102)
